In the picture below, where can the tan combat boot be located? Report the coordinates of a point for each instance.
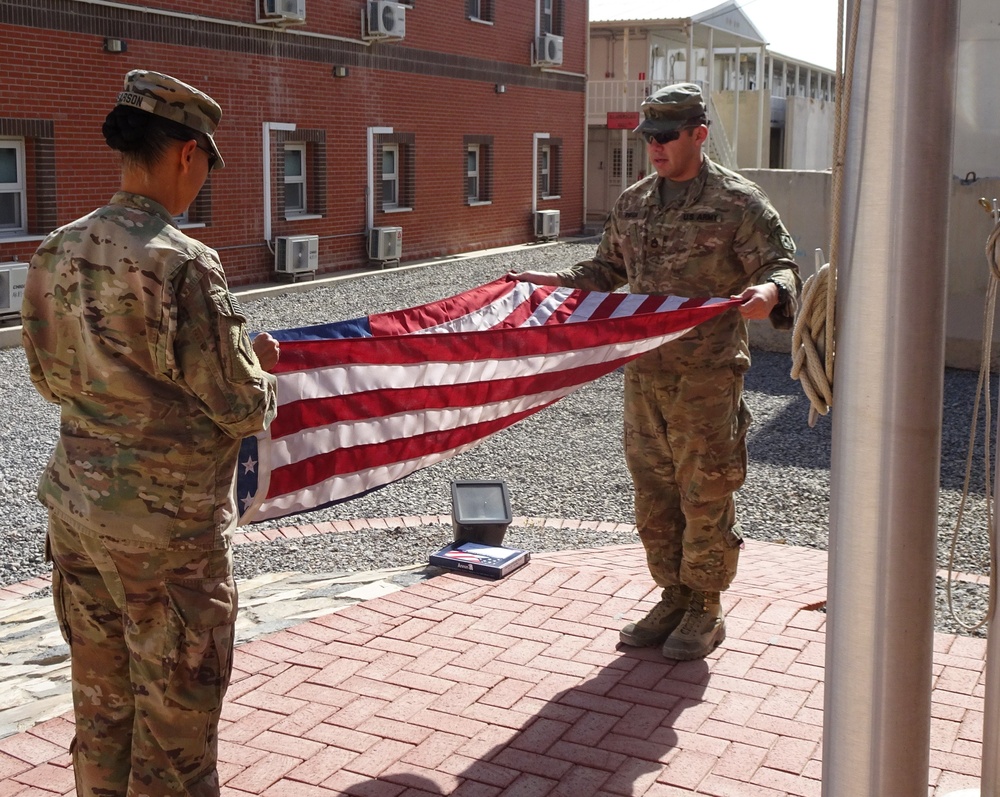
(700, 632)
(661, 620)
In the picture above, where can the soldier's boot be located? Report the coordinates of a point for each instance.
(700, 632)
(662, 619)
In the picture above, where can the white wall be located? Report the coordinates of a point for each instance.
(809, 128)
(977, 107)
(804, 202)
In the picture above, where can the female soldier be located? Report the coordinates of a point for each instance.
(130, 328)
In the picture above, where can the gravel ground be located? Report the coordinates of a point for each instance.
(563, 462)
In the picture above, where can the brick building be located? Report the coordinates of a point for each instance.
(452, 120)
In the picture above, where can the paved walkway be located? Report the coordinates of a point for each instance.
(454, 685)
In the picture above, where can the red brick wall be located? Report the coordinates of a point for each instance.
(66, 77)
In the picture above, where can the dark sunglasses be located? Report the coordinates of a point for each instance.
(212, 157)
(671, 135)
(661, 138)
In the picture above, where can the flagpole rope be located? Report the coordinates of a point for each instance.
(982, 392)
(813, 339)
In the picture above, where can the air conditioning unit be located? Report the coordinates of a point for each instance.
(296, 254)
(12, 278)
(549, 50)
(283, 11)
(385, 243)
(546, 224)
(385, 20)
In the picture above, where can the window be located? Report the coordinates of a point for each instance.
(199, 212)
(550, 17)
(478, 169)
(299, 158)
(295, 179)
(13, 193)
(27, 177)
(395, 182)
(390, 176)
(544, 161)
(472, 172)
(548, 168)
(479, 10)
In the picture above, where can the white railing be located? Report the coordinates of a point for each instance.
(604, 96)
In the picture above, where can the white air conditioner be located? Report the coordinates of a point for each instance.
(296, 254)
(385, 243)
(12, 278)
(283, 11)
(548, 50)
(546, 224)
(385, 20)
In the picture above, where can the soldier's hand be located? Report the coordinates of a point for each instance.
(758, 300)
(267, 350)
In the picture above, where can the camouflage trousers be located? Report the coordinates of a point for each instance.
(685, 446)
(151, 642)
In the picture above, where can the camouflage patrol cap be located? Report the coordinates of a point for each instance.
(671, 108)
(173, 99)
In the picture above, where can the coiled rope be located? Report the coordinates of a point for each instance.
(813, 339)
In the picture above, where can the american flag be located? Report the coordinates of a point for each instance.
(366, 402)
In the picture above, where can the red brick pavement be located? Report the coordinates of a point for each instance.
(460, 686)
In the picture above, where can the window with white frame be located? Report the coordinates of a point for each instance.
(478, 169)
(549, 17)
(544, 170)
(13, 191)
(472, 173)
(390, 176)
(548, 168)
(295, 178)
(479, 10)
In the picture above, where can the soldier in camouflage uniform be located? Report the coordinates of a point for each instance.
(130, 328)
(691, 229)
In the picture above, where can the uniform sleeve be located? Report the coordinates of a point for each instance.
(214, 356)
(606, 270)
(35, 370)
(767, 252)
(32, 325)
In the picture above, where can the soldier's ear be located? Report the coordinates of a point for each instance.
(187, 155)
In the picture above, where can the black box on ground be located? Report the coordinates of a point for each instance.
(492, 561)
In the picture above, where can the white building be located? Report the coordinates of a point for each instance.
(767, 110)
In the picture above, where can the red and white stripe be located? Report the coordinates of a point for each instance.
(434, 381)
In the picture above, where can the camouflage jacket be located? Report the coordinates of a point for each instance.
(719, 238)
(130, 328)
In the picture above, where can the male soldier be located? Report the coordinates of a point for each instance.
(129, 327)
(691, 229)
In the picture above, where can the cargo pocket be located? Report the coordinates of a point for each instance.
(59, 602)
(198, 660)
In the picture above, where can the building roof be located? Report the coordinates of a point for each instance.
(800, 32)
(726, 17)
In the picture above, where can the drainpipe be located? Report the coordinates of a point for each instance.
(762, 123)
(370, 186)
(689, 71)
(736, 117)
(623, 134)
(268, 127)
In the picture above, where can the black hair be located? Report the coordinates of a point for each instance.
(142, 137)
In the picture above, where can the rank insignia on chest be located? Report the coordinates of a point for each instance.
(702, 216)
